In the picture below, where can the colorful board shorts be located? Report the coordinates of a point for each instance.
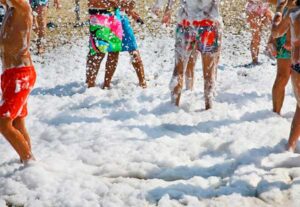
(16, 85)
(201, 35)
(129, 40)
(282, 53)
(105, 32)
(36, 3)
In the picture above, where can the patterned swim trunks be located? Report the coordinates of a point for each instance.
(201, 35)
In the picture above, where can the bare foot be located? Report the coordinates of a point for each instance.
(175, 99)
(291, 147)
(143, 84)
(91, 85)
(105, 86)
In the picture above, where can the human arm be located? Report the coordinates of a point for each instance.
(281, 5)
(281, 28)
(128, 7)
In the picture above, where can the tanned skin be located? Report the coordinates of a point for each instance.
(137, 63)
(209, 65)
(94, 61)
(279, 28)
(257, 23)
(283, 67)
(40, 24)
(14, 47)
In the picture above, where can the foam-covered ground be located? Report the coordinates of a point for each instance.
(129, 147)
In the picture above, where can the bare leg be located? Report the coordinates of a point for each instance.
(282, 78)
(295, 128)
(110, 68)
(255, 42)
(177, 82)
(295, 131)
(139, 67)
(15, 138)
(41, 20)
(210, 63)
(256, 27)
(19, 124)
(93, 66)
(189, 73)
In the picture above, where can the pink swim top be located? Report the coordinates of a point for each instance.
(257, 7)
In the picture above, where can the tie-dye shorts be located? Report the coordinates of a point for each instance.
(105, 32)
(129, 41)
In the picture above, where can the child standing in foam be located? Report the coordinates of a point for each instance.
(281, 25)
(259, 15)
(111, 32)
(18, 77)
(198, 30)
(40, 8)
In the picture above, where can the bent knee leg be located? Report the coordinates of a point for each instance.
(5, 124)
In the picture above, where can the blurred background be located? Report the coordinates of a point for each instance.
(68, 27)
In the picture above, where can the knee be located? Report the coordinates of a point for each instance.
(281, 81)
(136, 58)
(176, 82)
(5, 124)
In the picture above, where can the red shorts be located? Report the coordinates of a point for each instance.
(16, 85)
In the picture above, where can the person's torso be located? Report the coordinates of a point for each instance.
(15, 37)
(96, 4)
(198, 10)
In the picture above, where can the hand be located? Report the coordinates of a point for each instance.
(277, 18)
(288, 46)
(167, 18)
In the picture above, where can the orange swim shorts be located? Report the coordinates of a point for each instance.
(16, 85)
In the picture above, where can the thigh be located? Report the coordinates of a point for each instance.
(284, 68)
(16, 88)
(185, 43)
(208, 36)
(210, 62)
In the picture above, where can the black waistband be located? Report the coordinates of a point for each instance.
(296, 67)
(99, 11)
